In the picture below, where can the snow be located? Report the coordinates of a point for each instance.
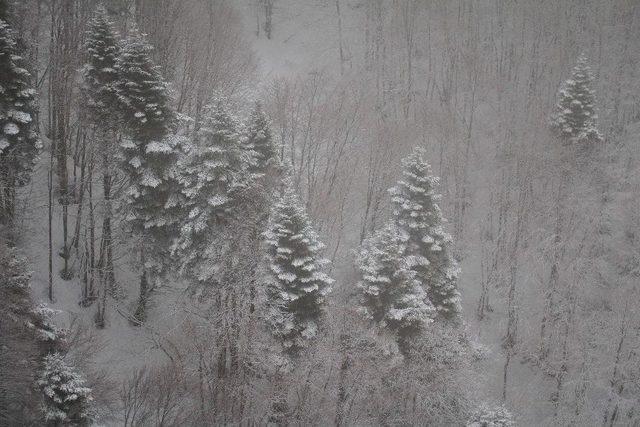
(20, 116)
(11, 129)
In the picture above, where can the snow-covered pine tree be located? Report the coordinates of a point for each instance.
(99, 72)
(66, 396)
(259, 138)
(417, 214)
(101, 109)
(149, 154)
(392, 296)
(213, 173)
(575, 117)
(19, 143)
(297, 287)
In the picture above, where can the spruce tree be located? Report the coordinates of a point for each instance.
(298, 286)
(417, 214)
(149, 156)
(575, 116)
(213, 174)
(259, 138)
(19, 143)
(66, 396)
(99, 72)
(101, 108)
(392, 296)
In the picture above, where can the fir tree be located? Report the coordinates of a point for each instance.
(19, 143)
(575, 116)
(298, 287)
(259, 138)
(213, 174)
(149, 156)
(417, 214)
(66, 396)
(101, 108)
(99, 72)
(392, 296)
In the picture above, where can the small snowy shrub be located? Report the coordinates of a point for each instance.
(491, 416)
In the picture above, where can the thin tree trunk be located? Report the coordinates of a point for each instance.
(50, 200)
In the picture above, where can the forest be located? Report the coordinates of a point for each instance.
(320, 212)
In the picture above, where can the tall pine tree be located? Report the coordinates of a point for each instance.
(101, 106)
(213, 173)
(298, 286)
(19, 143)
(392, 296)
(149, 155)
(417, 214)
(575, 117)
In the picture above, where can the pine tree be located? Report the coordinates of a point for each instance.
(99, 72)
(66, 396)
(150, 156)
(19, 143)
(213, 174)
(417, 214)
(392, 296)
(575, 116)
(298, 285)
(259, 138)
(101, 108)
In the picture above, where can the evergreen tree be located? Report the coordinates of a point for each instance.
(575, 115)
(417, 214)
(66, 396)
(99, 72)
(101, 108)
(213, 174)
(19, 143)
(259, 138)
(149, 154)
(392, 296)
(298, 287)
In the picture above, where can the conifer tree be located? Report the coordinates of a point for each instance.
(213, 173)
(149, 155)
(259, 138)
(575, 116)
(417, 214)
(101, 107)
(66, 396)
(19, 143)
(392, 296)
(99, 72)
(298, 286)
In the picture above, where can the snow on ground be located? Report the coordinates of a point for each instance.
(122, 346)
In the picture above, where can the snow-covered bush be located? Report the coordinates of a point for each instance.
(491, 416)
